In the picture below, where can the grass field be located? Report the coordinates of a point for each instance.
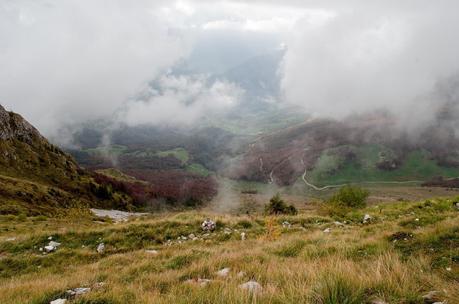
(179, 153)
(331, 168)
(407, 250)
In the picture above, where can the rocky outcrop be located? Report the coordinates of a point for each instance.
(13, 126)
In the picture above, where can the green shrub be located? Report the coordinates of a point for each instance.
(350, 196)
(278, 206)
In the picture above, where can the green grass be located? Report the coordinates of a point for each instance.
(179, 153)
(331, 168)
(351, 264)
(198, 169)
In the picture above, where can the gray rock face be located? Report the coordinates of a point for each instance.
(12, 125)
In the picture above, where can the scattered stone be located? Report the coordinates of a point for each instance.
(432, 297)
(328, 230)
(99, 285)
(286, 224)
(227, 231)
(339, 224)
(223, 272)
(243, 236)
(49, 248)
(241, 274)
(448, 269)
(208, 225)
(457, 206)
(54, 244)
(191, 236)
(10, 239)
(251, 286)
(40, 249)
(367, 218)
(50, 238)
(101, 248)
(198, 281)
(417, 220)
(78, 291)
(152, 251)
(58, 301)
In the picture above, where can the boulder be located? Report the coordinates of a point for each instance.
(286, 224)
(49, 248)
(208, 225)
(251, 286)
(367, 218)
(200, 282)
(101, 248)
(223, 272)
(152, 252)
(78, 291)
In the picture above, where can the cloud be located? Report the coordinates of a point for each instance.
(372, 56)
(180, 100)
(71, 60)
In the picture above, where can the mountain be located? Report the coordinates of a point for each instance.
(365, 148)
(36, 177)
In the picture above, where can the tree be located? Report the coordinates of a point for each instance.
(278, 206)
(350, 196)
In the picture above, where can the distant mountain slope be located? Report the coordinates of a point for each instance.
(358, 149)
(36, 176)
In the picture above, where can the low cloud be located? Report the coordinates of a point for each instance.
(69, 61)
(369, 57)
(180, 100)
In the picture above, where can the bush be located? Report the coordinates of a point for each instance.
(350, 196)
(278, 206)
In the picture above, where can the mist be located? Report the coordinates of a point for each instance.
(164, 63)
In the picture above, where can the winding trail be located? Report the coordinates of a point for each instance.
(340, 185)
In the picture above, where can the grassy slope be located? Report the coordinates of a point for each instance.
(179, 153)
(297, 265)
(331, 169)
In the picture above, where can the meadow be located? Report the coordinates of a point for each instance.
(405, 251)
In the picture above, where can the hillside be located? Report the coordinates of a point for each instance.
(358, 149)
(37, 177)
(407, 250)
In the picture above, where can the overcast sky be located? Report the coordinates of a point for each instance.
(67, 61)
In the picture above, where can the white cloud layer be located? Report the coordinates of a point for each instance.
(180, 101)
(70, 60)
(75, 60)
(372, 56)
